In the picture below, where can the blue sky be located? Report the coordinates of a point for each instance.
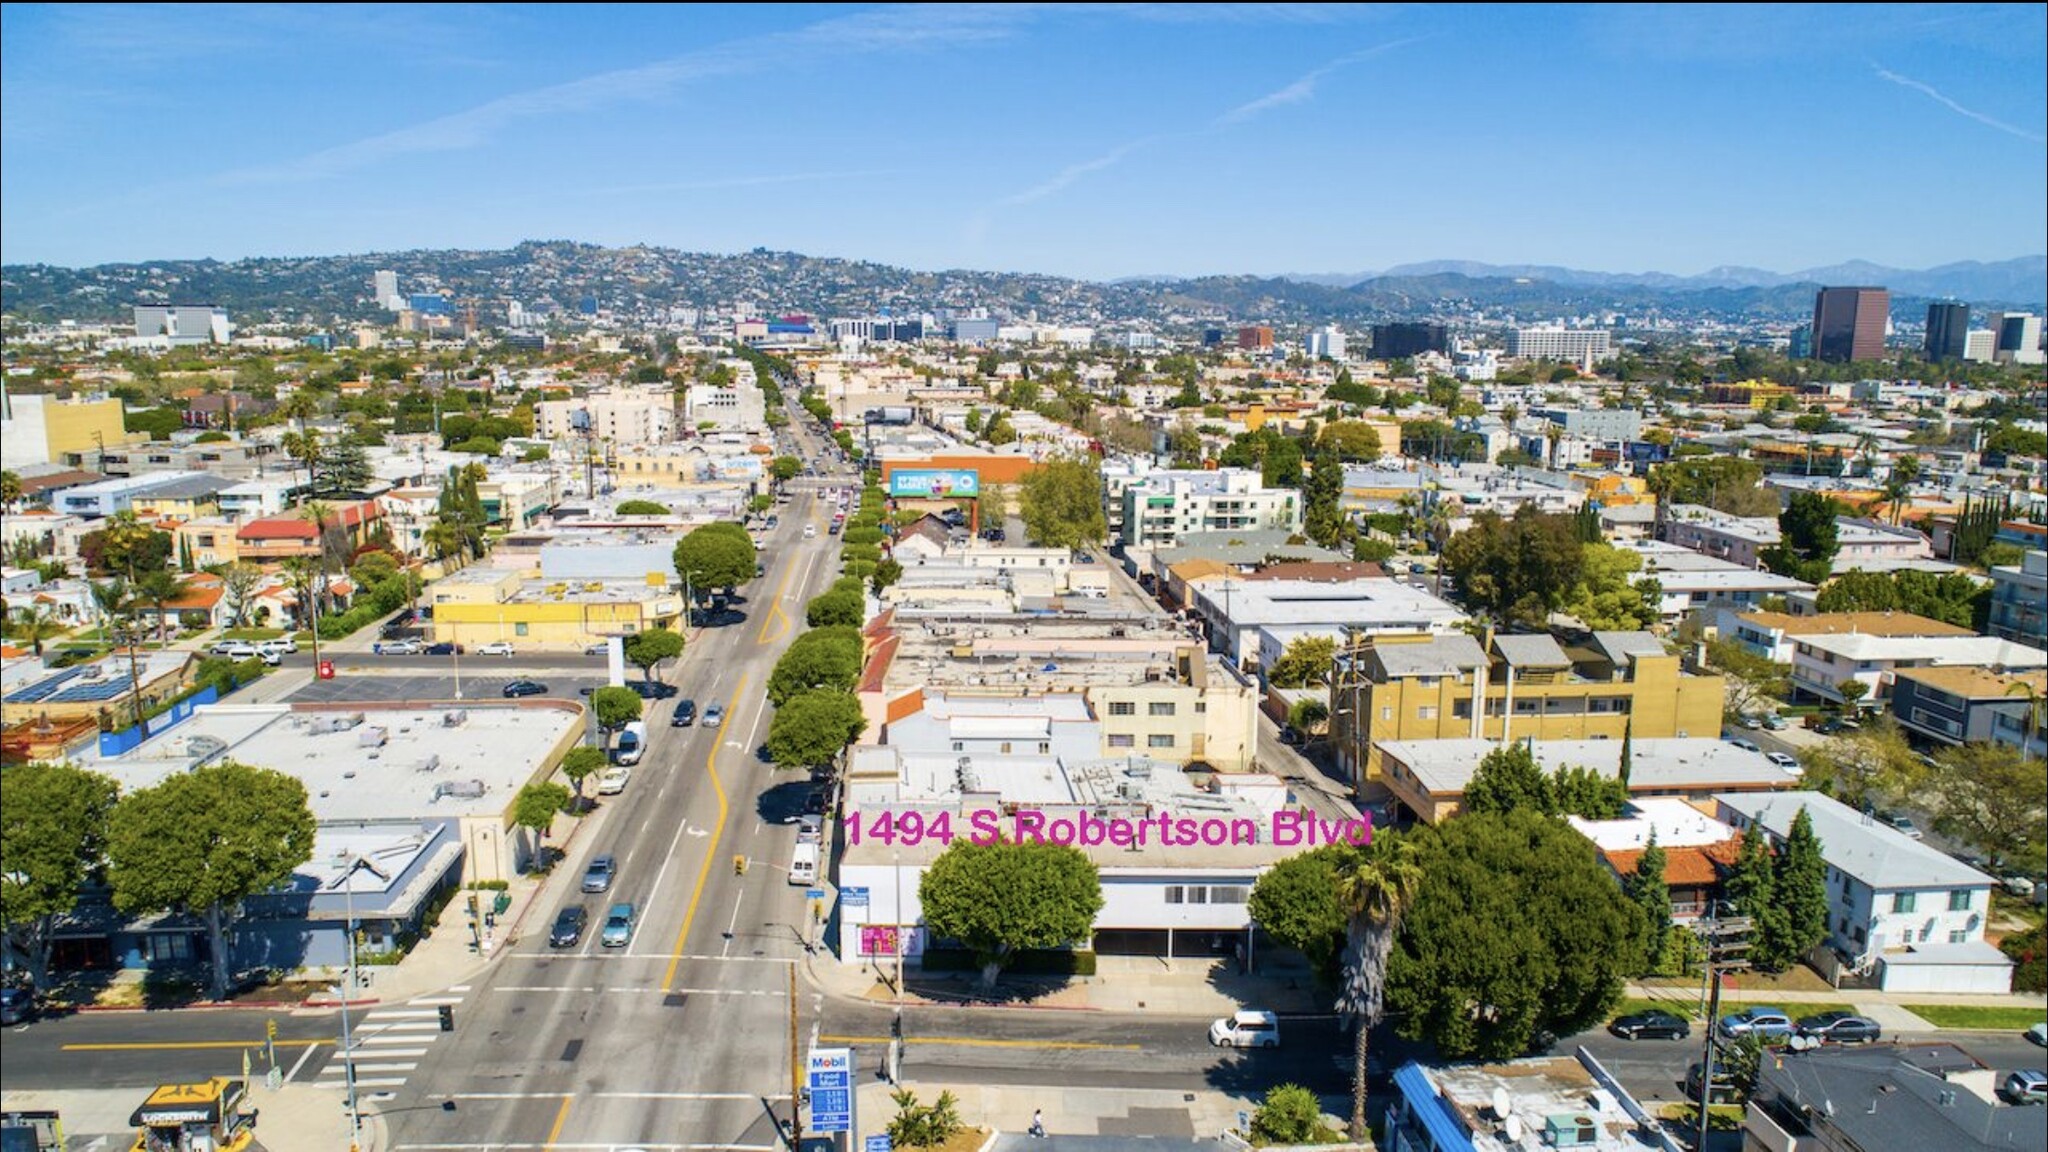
(1085, 141)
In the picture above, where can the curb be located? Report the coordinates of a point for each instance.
(329, 1005)
(203, 1006)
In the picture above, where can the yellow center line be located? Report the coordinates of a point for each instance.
(170, 1046)
(561, 1118)
(973, 1042)
(668, 979)
(775, 606)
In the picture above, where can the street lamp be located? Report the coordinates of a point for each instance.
(353, 861)
(896, 1027)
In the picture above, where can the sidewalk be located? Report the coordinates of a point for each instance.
(1130, 1112)
(1190, 988)
(296, 1118)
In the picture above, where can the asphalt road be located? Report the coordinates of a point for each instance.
(684, 1035)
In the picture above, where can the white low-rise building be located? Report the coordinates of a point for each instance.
(1900, 911)
(1822, 664)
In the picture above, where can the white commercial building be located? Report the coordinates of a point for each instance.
(1900, 911)
(1822, 664)
(1579, 346)
(173, 325)
(1326, 342)
(1159, 507)
(1255, 619)
(616, 415)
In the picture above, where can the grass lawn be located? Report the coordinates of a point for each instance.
(1686, 1006)
(1987, 1018)
(1720, 1117)
(251, 633)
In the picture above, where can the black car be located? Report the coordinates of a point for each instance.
(444, 648)
(816, 801)
(568, 929)
(525, 688)
(685, 714)
(1651, 1025)
(654, 690)
(1839, 1027)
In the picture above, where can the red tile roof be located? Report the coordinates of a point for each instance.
(277, 528)
(1691, 867)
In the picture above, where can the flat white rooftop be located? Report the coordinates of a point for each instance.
(365, 762)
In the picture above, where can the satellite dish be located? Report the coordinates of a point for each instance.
(1501, 1104)
(1514, 1130)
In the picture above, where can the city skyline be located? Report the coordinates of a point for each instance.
(1098, 142)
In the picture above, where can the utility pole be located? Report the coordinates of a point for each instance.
(1726, 942)
(796, 1071)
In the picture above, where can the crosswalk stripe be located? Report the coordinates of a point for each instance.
(435, 1000)
(362, 1054)
(403, 1013)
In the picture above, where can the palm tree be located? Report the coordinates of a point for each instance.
(1375, 885)
(1866, 452)
(1899, 484)
(441, 539)
(303, 576)
(157, 589)
(36, 624)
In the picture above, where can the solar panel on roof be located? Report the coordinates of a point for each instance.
(41, 690)
(89, 691)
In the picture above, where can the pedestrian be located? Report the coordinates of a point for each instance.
(1037, 1124)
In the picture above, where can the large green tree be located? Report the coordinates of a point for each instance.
(1518, 929)
(1799, 887)
(1951, 597)
(647, 649)
(1001, 898)
(206, 840)
(534, 809)
(1652, 897)
(1609, 596)
(1507, 779)
(53, 828)
(1517, 570)
(615, 707)
(819, 658)
(1353, 440)
(1295, 902)
(1808, 538)
(1322, 497)
(715, 556)
(1305, 661)
(836, 609)
(1062, 503)
(579, 762)
(811, 727)
(1873, 766)
(1751, 889)
(1994, 799)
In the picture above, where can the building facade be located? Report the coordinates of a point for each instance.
(1948, 331)
(1578, 346)
(1402, 341)
(2019, 600)
(1849, 323)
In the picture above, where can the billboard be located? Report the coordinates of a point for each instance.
(934, 483)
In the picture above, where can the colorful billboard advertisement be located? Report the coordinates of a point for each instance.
(934, 483)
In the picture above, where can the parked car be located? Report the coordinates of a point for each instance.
(1650, 1025)
(1746, 745)
(1767, 1023)
(1724, 1091)
(17, 1004)
(760, 570)
(599, 875)
(598, 649)
(444, 648)
(495, 648)
(1776, 723)
(1839, 1027)
(1751, 721)
(2026, 1086)
(1246, 1028)
(652, 689)
(283, 644)
(685, 714)
(714, 716)
(1787, 762)
(568, 929)
(525, 688)
(235, 649)
(1904, 826)
(397, 648)
(618, 926)
(2039, 1034)
(612, 781)
(1836, 726)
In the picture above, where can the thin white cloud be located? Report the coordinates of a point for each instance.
(1305, 88)
(1936, 95)
(888, 29)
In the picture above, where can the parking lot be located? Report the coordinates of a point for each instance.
(368, 688)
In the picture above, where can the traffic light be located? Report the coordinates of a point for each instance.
(739, 865)
(447, 1018)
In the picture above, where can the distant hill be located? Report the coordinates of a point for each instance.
(2022, 281)
(646, 282)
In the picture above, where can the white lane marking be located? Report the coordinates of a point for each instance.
(382, 1014)
(664, 957)
(301, 1063)
(642, 1144)
(435, 1000)
(732, 923)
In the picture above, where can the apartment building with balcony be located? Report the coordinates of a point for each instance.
(1821, 665)
(1967, 705)
(1743, 539)
(2019, 600)
(1608, 685)
(1162, 506)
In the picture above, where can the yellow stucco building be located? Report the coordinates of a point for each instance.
(1420, 687)
(480, 605)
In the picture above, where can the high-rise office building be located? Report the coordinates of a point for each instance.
(384, 285)
(1400, 341)
(1255, 339)
(1948, 330)
(1326, 342)
(2018, 337)
(1577, 345)
(1848, 323)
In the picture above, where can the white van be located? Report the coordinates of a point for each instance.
(632, 744)
(803, 865)
(1246, 1029)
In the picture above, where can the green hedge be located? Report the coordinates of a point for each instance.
(1050, 962)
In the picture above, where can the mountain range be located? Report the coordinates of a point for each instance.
(647, 282)
(2022, 280)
